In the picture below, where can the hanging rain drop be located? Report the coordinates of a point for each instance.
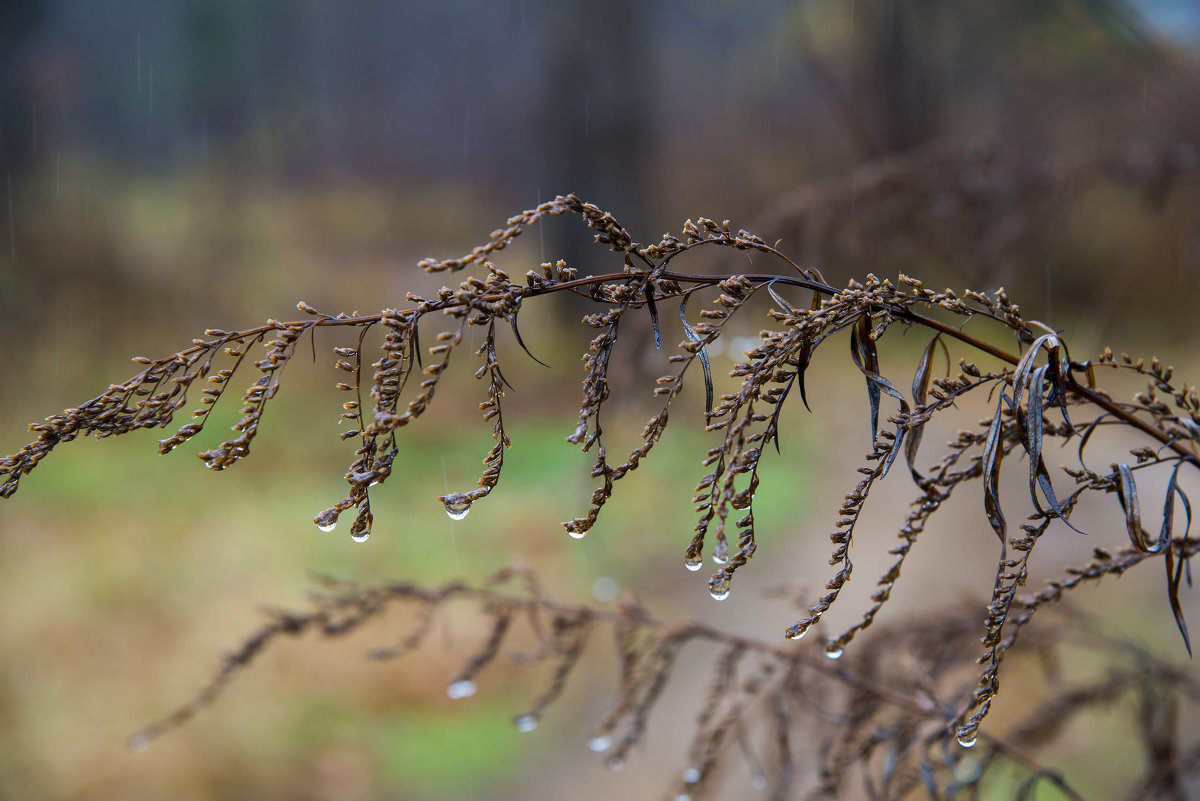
(460, 689)
(361, 536)
(457, 505)
(834, 653)
(600, 743)
(967, 740)
(719, 587)
(798, 631)
(691, 776)
(693, 563)
(526, 723)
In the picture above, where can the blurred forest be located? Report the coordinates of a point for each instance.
(170, 167)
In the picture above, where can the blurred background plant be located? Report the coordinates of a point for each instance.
(172, 167)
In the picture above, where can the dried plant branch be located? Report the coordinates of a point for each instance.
(757, 690)
(1040, 395)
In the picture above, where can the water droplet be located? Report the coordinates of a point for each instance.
(327, 520)
(693, 564)
(374, 483)
(615, 764)
(798, 632)
(834, 653)
(526, 723)
(759, 782)
(967, 740)
(683, 797)
(460, 689)
(720, 558)
(605, 589)
(457, 505)
(719, 587)
(578, 531)
(691, 776)
(361, 536)
(139, 742)
(327, 526)
(600, 743)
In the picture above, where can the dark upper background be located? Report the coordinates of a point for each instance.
(148, 148)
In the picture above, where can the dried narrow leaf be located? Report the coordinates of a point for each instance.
(787, 307)
(702, 353)
(517, 334)
(1058, 382)
(862, 349)
(1173, 488)
(1039, 476)
(993, 453)
(920, 389)
(1087, 434)
(920, 385)
(897, 444)
(1033, 431)
(804, 357)
(1175, 570)
(649, 292)
(1127, 495)
(1025, 365)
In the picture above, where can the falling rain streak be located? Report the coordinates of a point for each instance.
(466, 130)
(12, 231)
